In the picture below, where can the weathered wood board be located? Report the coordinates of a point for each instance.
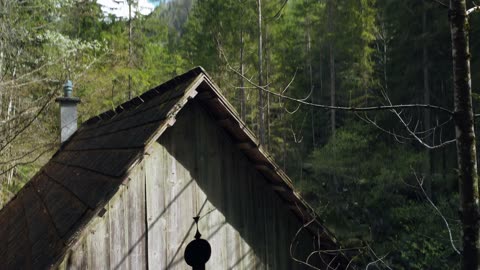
(156, 213)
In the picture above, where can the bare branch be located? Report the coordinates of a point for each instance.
(40, 111)
(331, 261)
(289, 83)
(22, 156)
(414, 133)
(279, 12)
(417, 138)
(389, 107)
(470, 11)
(328, 107)
(27, 162)
(378, 259)
(294, 241)
(441, 4)
(473, 9)
(343, 108)
(294, 111)
(420, 183)
(392, 133)
(336, 252)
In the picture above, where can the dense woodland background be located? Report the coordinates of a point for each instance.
(361, 171)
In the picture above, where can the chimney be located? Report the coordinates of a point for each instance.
(68, 112)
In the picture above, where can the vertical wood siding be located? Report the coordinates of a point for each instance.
(194, 169)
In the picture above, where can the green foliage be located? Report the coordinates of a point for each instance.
(47, 42)
(367, 191)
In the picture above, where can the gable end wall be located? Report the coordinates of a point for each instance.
(194, 169)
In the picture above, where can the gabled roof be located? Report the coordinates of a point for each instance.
(39, 224)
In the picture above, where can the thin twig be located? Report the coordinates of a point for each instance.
(29, 122)
(328, 107)
(378, 259)
(344, 108)
(294, 241)
(374, 262)
(26, 162)
(336, 252)
(413, 133)
(26, 154)
(417, 138)
(420, 183)
(392, 133)
(441, 4)
(279, 12)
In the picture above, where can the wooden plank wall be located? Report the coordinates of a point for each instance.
(116, 239)
(245, 221)
(194, 169)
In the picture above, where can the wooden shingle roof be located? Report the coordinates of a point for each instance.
(39, 224)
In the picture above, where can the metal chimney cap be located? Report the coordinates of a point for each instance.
(68, 88)
(67, 94)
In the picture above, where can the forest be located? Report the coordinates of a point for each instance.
(316, 80)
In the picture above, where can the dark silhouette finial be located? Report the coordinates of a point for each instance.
(197, 252)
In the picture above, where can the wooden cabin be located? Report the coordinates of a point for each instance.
(122, 191)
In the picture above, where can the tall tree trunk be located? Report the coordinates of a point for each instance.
(284, 137)
(310, 77)
(261, 114)
(320, 72)
(465, 135)
(243, 112)
(267, 74)
(332, 67)
(330, 26)
(332, 89)
(426, 99)
(1, 105)
(385, 58)
(129, 48)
